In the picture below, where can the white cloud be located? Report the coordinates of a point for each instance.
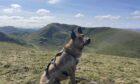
(136, 12)
(41, 18)
(53, 1)
(5, 17)
(79, 15)
(107, 17)
(42, 11)
(13, 8)
(14, 15)
(136, 15)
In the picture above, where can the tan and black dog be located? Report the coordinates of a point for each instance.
(64, 63)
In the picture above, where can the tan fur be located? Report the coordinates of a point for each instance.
(69, 44)
(70, 48)
(66, 62)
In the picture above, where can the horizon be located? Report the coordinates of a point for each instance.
(69, 25)
(96, 13)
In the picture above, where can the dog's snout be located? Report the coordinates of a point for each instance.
(88, 40)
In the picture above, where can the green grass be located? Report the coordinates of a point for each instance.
(24, 65)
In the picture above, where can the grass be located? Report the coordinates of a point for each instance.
(118, 42)
(24, 65)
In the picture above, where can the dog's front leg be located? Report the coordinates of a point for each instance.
(43, 79)
(72, 76)
(72, 79)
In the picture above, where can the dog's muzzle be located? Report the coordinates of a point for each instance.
(87, 41)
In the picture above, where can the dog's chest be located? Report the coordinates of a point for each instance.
(66, 61)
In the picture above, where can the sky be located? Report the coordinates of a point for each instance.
(87, 13)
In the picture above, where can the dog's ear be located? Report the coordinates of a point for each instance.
(73, 35)
(79, 30)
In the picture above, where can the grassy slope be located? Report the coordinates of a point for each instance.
(104, 40)
(117, 42)
(22, 65)
(8, 38)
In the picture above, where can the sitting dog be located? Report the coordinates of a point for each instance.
(64, 63)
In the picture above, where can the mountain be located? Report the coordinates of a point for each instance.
(11, 29)
(16, 33)
(6, 38)
(118, 42)
(135, 29)
(57, 34)
(105, 40)
(50, 34)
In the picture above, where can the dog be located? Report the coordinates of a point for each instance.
(64, 63)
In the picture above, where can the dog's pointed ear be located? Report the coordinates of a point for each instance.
(79, 30)
(73, 35)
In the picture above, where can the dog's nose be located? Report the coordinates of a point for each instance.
(88, 41)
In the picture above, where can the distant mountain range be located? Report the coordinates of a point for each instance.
(134, 29)
(104, 39)
(137, 29)
(7, 38)
(11, 29)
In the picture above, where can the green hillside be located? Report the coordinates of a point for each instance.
(54, 33)
(117, 42)
(104, 40)
(7, 38)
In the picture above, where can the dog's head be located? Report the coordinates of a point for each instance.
(79, 40)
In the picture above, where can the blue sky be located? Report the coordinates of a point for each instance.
(90, 13)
